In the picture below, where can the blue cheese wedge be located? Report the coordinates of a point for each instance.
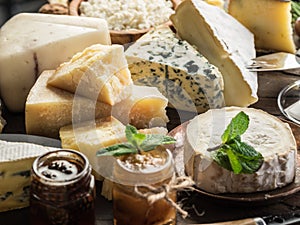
(16, 160)
(225, 42)
(266, 133)
(180, 72)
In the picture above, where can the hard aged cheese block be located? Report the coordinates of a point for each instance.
(179, 71)
(146, 107)
(266, 133)
(16, 160)
(49, 108)
(268, 20)
(33, 42)
(98, 72)
(225, 42)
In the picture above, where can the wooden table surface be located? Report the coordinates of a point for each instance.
(202, 208)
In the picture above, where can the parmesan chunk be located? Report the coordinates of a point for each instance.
(98, 72)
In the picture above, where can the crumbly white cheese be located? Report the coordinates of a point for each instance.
(124, 15)
(266, 133)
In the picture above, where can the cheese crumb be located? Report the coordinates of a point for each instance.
(126, 15)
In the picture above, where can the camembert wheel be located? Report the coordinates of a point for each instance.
(267, 134)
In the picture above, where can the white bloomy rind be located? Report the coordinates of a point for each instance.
(267, 134)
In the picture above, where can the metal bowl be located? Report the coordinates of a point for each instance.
(289, 101)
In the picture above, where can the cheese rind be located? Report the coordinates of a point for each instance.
(266, 133)
(99, 72)
(225, 42)
(16, 160)
(178, 70)
(33, 42)
(269, 20)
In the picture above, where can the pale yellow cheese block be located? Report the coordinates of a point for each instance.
(34, 42)
(268, 20)
(146, 107)
(98, 72)
(49, 108)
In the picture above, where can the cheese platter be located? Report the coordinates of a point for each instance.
(161, 82)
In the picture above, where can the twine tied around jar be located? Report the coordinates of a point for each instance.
(154, 194)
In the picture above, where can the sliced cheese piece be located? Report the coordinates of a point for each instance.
(16, 160)
(177, 69)
(98, 72)
(266, 133)
(49, 108)
(146, 107)
(225, 42)
(34, 42)
(269, 20)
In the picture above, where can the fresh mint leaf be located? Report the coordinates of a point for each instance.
(237, 126)
(233, 154)
(221, 158)
(234, 161)
(136, 143)
(154, 140)
(117, 150)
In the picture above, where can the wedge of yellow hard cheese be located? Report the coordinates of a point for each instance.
(268, 20)
(99, 72)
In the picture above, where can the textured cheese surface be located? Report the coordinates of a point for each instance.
(268, 20)
(266, 133)
(33, 42)
(16, 160)
(225, 42)
(98, 72)
(49, 108)
(179, 71)
(146, 107)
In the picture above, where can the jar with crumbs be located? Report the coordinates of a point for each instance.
(136, 175)
(62, 189)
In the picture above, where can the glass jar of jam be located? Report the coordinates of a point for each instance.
(154, 168)
(62, 189)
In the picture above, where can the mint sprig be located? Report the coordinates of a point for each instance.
(136, 143)
(233, 154)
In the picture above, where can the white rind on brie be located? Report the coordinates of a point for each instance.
(266, 133)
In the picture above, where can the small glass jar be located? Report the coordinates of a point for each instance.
(62, 190)
(153, 168)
